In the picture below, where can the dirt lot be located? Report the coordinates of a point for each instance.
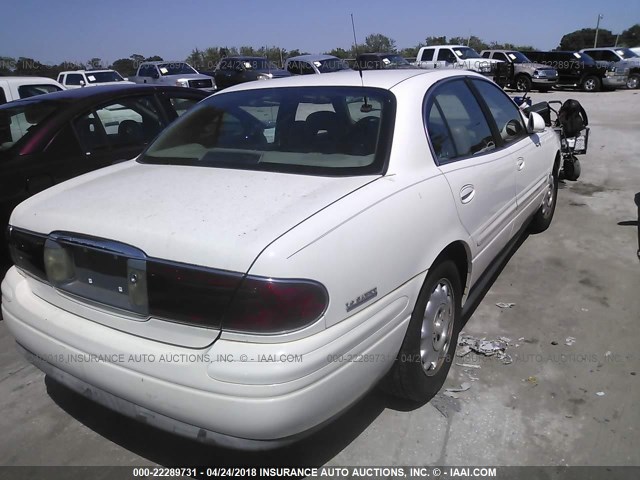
(559, 402)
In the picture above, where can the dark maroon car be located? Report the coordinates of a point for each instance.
(50, 138)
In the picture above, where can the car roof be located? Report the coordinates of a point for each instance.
(27, 78)
(385, 79)
(312, 58)
(99, 92)
(95, 70)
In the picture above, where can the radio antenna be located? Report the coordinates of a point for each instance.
(365, 108)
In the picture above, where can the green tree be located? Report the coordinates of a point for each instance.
(124, 66)
(94, 63)
(585, 37)
(376, 42)
(341, 53)
(7, 65)
(432, 41)
(630, 37)
(154, 58)
(411, 52)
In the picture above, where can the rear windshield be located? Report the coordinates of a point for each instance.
(104, 77)
(338, 131)
(17, 119)
(175, 69)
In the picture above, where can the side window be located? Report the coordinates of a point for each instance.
(74, 79)
(64, 143)
(306, 69)
(500, 56)
(90, 133)
(60, 78)
(181, 105)
(427, 55)
(446, 55)
(26, 91)
(504, 112)
(293, 67)
(608, 56)
(486, 54)
(128, 122)
(3, 97)
(462, 115)
(439, 134)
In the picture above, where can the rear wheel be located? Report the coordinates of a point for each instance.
(542, 218)
(591, 84)
(430, 341)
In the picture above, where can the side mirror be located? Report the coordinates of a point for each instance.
(82, 84)
(535, 123)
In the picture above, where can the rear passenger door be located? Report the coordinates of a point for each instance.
(480, 174)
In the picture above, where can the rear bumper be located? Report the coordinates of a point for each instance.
(185, 393)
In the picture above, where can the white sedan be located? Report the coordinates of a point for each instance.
(279, 251)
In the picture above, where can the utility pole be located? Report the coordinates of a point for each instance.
(617, 37)
(595, 41)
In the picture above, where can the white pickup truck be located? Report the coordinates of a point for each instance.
(15, 88)
(90, 78)
(454, 56)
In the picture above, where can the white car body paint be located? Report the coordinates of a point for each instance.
(352, 234)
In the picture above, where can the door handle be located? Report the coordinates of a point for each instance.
(520, 163)
(467, 193)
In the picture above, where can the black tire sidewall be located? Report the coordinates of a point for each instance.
(416, 384)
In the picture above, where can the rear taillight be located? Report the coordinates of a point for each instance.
(189, 294)
(268, 306)
(27, 251)
(121, 276)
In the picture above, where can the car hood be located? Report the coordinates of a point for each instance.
(220, 218)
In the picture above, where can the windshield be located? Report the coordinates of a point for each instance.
(17, 119)
(390, 61)
(175, 69)
(584, 58)
(626, 53)
(331, 65)
(104, 77)
(466, 52)
(308, 130)
(257, 64)
(517, 57)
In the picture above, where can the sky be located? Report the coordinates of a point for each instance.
(77, 30)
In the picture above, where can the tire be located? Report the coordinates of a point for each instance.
(591, 83)
(571, 169)
(523, 83)
(634, 81)
(439, 302)
(542, 218)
